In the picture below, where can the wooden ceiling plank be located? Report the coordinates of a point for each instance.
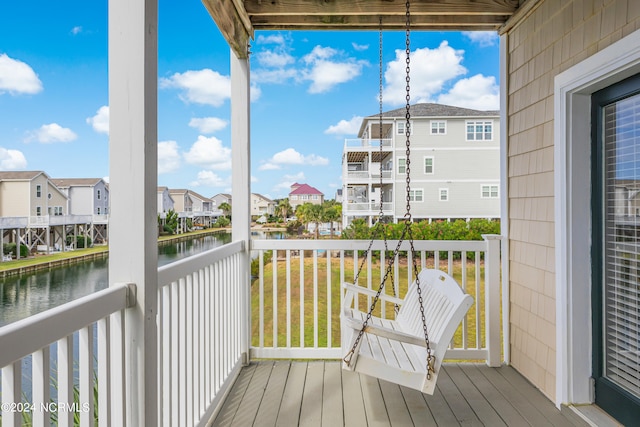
(377, 7)
(230, 24)
(260, 22)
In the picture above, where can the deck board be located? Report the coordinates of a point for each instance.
(320, 393)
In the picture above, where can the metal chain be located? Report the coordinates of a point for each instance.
(407, 216)
(406, 231)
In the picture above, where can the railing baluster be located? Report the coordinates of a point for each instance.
(11, 393)
(463, 285)
(329, 292)
(274, 296)
(315, 299)
(182, 349)
(479, 343)
(165, 346)
(65, 381)
(302, 326)
(175, 353)
(41, 374)
(85, 373)
(261, 298)
(103, 373)
(288, 296)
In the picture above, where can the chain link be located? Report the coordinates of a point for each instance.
(406, 231)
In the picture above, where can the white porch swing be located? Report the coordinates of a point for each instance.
(402, 351)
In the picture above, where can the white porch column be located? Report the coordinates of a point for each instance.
(241, 180)
(133, 248)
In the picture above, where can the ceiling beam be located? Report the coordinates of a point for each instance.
(233, 23)
(369, 22)
(379, 7)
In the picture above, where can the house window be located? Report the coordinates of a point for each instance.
(400, 128)
(489, 192)
(57, 211)
(99, 194)
(38, 190)
(304, 197)
(428, 165)
(479, 131)
(402, 165)
(294, 197)
(416, 195)
(38, 211)
(443, 194)
(438, 128)
(98, 210)
(315, 197)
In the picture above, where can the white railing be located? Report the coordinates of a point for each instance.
(298, 292)
(8, 222)
(366, 143)
(368, 206)
(79, 341)
(200, 331)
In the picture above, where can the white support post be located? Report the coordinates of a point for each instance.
(504, 194)
(241, 181)
(133, 248)
(492, 299)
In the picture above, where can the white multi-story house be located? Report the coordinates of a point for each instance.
(87, 196)
(261, 205)
(455, 165)
(304, 193)
(165, 201)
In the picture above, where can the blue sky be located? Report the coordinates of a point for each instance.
(309, 92)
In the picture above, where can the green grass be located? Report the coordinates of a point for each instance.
(322, 300)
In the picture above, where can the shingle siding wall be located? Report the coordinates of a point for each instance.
(555, 36)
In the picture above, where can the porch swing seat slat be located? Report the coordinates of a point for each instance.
(395, 350)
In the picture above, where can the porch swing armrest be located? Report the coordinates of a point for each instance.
(371, 293)
(388, 333)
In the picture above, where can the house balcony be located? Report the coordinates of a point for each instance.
(366, 208)
(369, 176)
(54, 220)
(212, 319)
(366, 144)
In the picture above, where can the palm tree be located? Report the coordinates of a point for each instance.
(226, 209)
(283, 208)
(332, 213)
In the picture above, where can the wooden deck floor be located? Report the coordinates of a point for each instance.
(319, 393)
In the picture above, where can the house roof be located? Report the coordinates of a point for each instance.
(19, 175)
(436, 110)
(189, 192)
(268, 200)
(306, 189)
(75, 182)
(225, 195)
(430, 110)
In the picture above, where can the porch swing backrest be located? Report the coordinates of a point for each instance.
(445, 304)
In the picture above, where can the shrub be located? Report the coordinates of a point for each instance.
(80, 241)
(167, 230)
(222, 222)
(10, 248)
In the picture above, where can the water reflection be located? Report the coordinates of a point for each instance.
(23, 296)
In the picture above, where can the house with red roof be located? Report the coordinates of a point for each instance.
(304, 193)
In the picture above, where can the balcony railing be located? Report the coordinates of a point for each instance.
(368, 207)
(367, 143)
(203, 324)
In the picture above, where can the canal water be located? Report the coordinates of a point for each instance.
(23, 296)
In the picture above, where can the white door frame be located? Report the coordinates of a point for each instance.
(572, 150)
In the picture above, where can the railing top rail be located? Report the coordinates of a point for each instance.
(169, 273)
(28, 335)
(420, 245)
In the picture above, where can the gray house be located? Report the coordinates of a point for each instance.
(455, 171)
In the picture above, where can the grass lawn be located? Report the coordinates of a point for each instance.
(328, 317)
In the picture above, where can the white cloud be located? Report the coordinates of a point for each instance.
(209, 179)
(291, 157)
(477, 92)
(16, 77)
(168, 157)
(209, 153)
(51, 133)
(208, 124)
(276, 76)
(360, 47)
(76, 30)
(205, 86)
(346, 127)
(100, 122)
(272, 38)
(482, 38)
(271, 58)
(254, 179)
(268, 167)
(12, 159)
(430, 70)
(326, 73)
(288, 180)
